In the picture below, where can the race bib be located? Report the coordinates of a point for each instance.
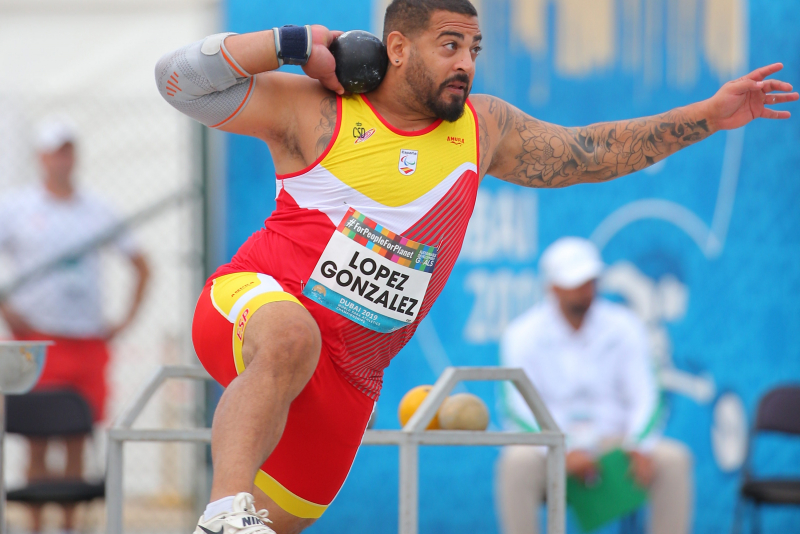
(371, 275)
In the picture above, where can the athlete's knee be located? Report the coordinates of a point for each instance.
(285, 340)
(299, 343)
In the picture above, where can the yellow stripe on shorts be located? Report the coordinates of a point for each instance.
(297, 506)
(237, 296)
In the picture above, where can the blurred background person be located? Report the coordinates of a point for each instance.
(38, 225)
(589, 360)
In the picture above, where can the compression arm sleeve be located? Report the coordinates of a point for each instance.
(203, 81)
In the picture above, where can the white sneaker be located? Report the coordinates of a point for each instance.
(242, 520)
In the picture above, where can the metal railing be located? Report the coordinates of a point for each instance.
(408, 439)
(123, 431)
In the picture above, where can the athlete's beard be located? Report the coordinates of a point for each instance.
(430, 96)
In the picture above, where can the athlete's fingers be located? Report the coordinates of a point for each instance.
(762, 72)
(332, 36)
(321, 35)
(776, 85)
(745, 85)
(331, 82)
(781, 98)
(774, 114)
(322, 66)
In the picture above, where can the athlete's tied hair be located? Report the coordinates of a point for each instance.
(412, 16)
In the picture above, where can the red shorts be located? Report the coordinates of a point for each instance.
(78, 364)
(326, 421)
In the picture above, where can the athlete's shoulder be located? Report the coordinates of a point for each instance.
(496, 118)
(481, 102)
(486, 105)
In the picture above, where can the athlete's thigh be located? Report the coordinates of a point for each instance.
(282, 521)
(228, 305)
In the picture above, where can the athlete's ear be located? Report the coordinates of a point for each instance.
(397, 46)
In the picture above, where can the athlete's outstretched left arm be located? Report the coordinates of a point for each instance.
(518, 148)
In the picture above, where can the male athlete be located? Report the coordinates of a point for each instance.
(374, 193)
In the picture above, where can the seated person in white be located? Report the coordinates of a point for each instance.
(589, 360)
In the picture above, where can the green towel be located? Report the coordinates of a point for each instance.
(615, 494)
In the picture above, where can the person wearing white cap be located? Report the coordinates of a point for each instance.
(589, 360)
(38, 224)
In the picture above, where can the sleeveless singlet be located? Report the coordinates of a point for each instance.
(367, 235)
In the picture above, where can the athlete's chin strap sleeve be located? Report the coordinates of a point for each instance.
(203, 81)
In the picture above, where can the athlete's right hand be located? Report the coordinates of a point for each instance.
(321, 65)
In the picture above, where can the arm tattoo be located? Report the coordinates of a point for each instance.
(502, 115)
(557, 156)
(326, 125)
(484, 145)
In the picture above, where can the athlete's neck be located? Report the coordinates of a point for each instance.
(389, 100)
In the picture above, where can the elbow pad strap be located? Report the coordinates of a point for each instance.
(203, 81)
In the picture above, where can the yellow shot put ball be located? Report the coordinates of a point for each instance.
(409, 404)
(463, 411)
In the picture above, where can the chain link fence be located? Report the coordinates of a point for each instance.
(133, 154)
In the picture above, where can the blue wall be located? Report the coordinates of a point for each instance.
(705, 246)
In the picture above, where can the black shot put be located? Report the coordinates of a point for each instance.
(361, 61)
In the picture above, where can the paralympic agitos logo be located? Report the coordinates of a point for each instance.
(408, 162)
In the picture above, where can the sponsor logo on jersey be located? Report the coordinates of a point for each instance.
(361, 133)
(408, 162)
(242, 323)
(246, 286)
(366, 135)
(455, 140)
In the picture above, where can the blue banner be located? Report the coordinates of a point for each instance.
(704, 246)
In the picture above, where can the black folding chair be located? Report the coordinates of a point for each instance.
(778, 411)
(52, 414)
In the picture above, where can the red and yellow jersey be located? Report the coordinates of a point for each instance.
(367, 235)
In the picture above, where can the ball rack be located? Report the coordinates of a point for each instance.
(408, 440)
